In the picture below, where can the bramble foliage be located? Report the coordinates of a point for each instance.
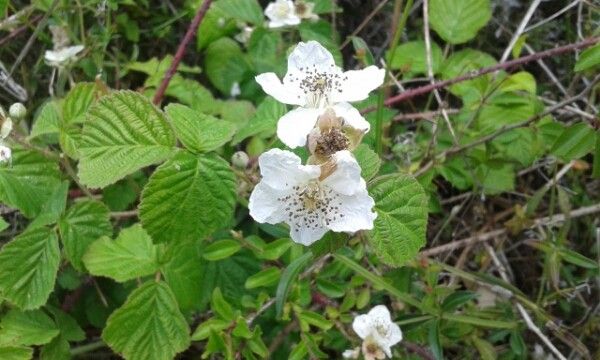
(128, 226)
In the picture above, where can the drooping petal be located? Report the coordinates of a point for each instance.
(346, 179)
(6, 128)
(62, 56)
(264, 206)
(357, 211)
(357, 84)
(395, 334)
(351, 116)
(294, 127)
(310, 56)
(285, 93)
(282, 170)
(5, 153)
(362, 326)
(306, 235)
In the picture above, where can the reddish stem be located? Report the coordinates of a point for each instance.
(409, 94)
(191, 31)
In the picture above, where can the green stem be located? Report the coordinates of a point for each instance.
(87, 348)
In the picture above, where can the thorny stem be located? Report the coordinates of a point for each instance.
(191, 31)
(483, 71)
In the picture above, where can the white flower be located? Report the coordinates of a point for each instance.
(377, 328)
(311, 199)
(314, 82)
(61, 57)
(351, 353)
(5, 153)
(304, 10)
(281, 13)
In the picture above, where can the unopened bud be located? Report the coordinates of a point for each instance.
(240, 160)
(17, 111)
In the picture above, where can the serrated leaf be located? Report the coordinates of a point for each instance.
(131, 255)
(221, 249)
(588, 59)
(199, 132)
(187, 187)
(368, 160)
(57, 349)
(123, 133)
(264, 121)
(29, 182)
(47, 120)
(458, 21)
(68, 326)
(148, 326)
(77, 102)
(83, 223)
(462, 62)
(192, 94)
(410, 58)
(575, 141)
(213, 27)
(16, 353)
(242, 10)
(399, 231)
(265, 50)
(54, 207)
(225, 64)
(32, 327)
(28, 266)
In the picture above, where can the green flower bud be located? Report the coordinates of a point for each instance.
(240, 160)
(17, 111)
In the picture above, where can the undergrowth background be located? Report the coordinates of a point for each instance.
(509, 160)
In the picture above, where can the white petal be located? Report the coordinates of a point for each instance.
(381, 314)
(6, 128)
(351, 116)
(5, 153)
(294, 127)
(358, 213)
(346, 178)
(306, 235)
(310, 55)
(58, 57)
(395, 335)
(362, 326)
(282, 170)
(264, 206)
(281, 13)
(359, 83)
(285, 93)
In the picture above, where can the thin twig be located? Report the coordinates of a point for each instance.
(191, 31)
(20, 30)
(483, 71)
(520, 29)
(425, 115)
(363, 23)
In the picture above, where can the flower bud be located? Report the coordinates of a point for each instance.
(240, 160)
(17, 111)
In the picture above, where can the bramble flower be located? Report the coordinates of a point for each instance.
(62, 57)
(304, 10)
(6, 126)
(311, 199)
(281, 13)
(378, 332)
(314, 82)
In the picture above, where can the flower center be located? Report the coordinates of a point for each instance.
(312, 206)
(282, 10)
(319, 85)
(382, 330)
(331, 142)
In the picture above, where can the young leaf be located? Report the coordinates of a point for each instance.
(16, 353)
(57, 349)
(123, 133)
(219, 305)
(199, 132)
(266, 277)
(221, 249)
(28, 266)
(589, 58)
(287, 280)
(32, 327)
(28, 183)
(458, 21)
(77, 102)
(148, 326)
(131, 255)
(401, 205)
(84, 222)
(575, 141)
(187, 187)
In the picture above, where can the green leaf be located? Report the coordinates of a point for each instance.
(184, 272)
(275, 249)
(213, 27)
(522, 81)
(77, 102)
(187, 187)
(577, 259)
(123, 133)
(15, 353)
(456, 299)
(399, 231)
(485, 349)
(199, 132)
(458, 21)
(3, 224)
(264, 278)
(27, 328)
(266, 50)
(131, 255)
(575, 141)
(47, 120)
(69, 328)
(225, 64)
(242, 10)
(264, 121)
(28, 266)
(54, 207)
(192, 94)
(368, 160)
(221, 249)
(83, 223)
(57, 349)
(314, 319)
(287, 280)
(148, 326)
(220, 306)
(411, 58)
(596, 165)
(462, 62)
(203, 330)
(517, 344)
(433, 338)
(29, 182)
(588, 59)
